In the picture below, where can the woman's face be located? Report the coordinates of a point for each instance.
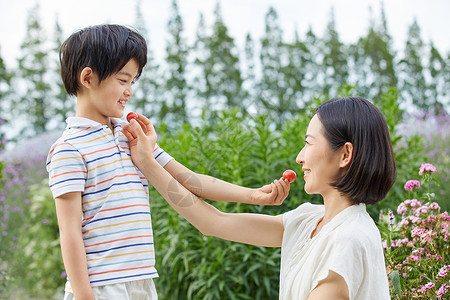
(320, 164)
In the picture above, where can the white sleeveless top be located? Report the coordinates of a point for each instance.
(350, 245)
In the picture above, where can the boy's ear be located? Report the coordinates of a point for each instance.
(346, 155)
(86, 77)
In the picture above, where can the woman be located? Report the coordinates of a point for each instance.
(329, 251)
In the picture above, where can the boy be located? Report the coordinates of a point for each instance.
(101, 198)
(95, 185)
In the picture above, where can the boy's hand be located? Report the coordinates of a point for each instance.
(271, 194)
(142, 138)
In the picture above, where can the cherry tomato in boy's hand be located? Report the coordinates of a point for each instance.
(132, 115)
(290, 175)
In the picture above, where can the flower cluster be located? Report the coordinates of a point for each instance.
(412, 184)
(416, 247)
(427, 168)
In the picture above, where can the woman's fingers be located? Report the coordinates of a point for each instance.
(282, 186)
(137, 128)
(128, 132)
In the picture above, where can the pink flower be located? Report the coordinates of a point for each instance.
(417, 232)
(411, 184)
(427, 168)
(429, 285)
(443, 289)
(423, 210)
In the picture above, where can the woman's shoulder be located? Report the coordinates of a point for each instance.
(304, 211)
(359, 229)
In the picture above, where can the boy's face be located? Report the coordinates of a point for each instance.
(108, 99)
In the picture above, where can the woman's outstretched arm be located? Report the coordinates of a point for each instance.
(255, 229)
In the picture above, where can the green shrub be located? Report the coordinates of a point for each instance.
(246, 150)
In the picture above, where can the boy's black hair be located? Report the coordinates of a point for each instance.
(372, 170)
(104, 48)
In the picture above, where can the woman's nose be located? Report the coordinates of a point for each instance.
(300, 157)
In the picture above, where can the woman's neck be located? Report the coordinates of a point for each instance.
(334, 204)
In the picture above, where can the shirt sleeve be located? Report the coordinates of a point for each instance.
(161, 156)
(350, 261)
(66, 168)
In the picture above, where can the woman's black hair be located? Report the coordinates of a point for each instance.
(371, 172)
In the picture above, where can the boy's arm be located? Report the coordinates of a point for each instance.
(211, 188)
(69, 213)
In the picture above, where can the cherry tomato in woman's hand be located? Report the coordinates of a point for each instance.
(290, 175)
(132, 115)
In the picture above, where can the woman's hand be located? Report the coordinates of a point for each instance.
(142, 138)
(271, 194)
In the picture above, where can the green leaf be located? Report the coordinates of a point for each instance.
(395, 279)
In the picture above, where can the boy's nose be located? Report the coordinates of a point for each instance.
(128, 92)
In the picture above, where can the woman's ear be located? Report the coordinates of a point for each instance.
(347, 154)
(86, 77)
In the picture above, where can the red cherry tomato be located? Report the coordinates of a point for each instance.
(290, 175)
(132, 115)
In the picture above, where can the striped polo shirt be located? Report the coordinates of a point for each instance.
(116, 225)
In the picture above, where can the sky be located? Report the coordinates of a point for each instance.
(240, 16)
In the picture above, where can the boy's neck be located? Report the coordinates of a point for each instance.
(85, 112)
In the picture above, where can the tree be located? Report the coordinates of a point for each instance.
(312, 64)
(249, 73)
(335, 68)
(63, 104)
(33, 72)
(413, 82)
(220, 68)
(174, 109)
(294, 71)
(438, 85)
(373, 61)
(199, 84)
(148, 91)
(276, 93)
(5, 92)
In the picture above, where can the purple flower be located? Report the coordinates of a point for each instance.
(410, 184)
(45, 221)
(427, 168)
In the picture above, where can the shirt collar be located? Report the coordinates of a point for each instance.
(84, 122)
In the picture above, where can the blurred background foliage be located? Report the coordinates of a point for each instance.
(237, 114)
